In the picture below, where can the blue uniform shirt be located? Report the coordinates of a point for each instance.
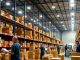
(78, 48)
(16, 50)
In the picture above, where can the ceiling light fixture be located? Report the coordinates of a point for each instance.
(61, 22)
(13, 8)
(29, 7)
(8, 3)
(72, 27)
(72, 1)
(72, 13)
(34, 21)
(20, 12)
(40, 15)
(53, 7)
(58, 16)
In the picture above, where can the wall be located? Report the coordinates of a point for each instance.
(58, 35)
(68, 37)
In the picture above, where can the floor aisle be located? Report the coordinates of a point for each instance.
(67, 58)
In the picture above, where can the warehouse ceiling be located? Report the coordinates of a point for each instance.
(58, 12)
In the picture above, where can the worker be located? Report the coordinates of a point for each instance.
(78, 46)
(15, 49)
(58, 49)
(42, 51)
(65, 49)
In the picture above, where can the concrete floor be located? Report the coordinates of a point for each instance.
(67, 58)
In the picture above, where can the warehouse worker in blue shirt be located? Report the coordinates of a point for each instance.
(78, 46)
(42, 51)
(15, 49)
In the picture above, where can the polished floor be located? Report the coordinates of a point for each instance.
(67, 58)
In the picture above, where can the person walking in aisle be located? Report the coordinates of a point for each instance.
(58, 49)
(78, 46)
(15, 49)
(65, 49)
(42, 51)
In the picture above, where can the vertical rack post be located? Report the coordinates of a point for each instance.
(42, 27)
(38, 26)
(14, 15)
(25, 22)
(33, 23)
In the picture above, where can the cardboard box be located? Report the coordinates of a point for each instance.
(22, 55)
(29, 34)
(26, 56)
(36, 28)
(19, 31)
(20, 19)
(31, 54)
(29, 25)
(2, 13)
(7, 15)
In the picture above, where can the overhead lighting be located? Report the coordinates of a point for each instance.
(53, 7)
(65, 28)
(34, 21)
(72, 1)
(29, 7)
(13, 8)
(72, 5)
(25, 16)
(8, 3)
(31, 19)
(72, 13)
(1, 0)
(20, 12)
(40, 15)
(50, 22)
(72, 18)
(72, 27)
(58, 16)
(63, 25)
(61, 22)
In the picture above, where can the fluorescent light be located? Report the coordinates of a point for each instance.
(72, 27)
(31, 19)
(20, 12)
(63, 25)
(26, 16)
(58, 16)
(53, 7)
(13, 8)
(72, 5)
(28, 7)
(8, 3)
(72, 18)
(61, 22)
(50, 22)
(72, 1)
(40, 15)
(72, 13)
(34, 21)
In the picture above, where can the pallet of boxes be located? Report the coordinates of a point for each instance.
(34, 54)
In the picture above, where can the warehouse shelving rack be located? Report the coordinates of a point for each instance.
(14, 23)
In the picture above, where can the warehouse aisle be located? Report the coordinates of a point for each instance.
(67, 58)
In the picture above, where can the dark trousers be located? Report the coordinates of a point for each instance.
(41, 56)
(65, 53)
